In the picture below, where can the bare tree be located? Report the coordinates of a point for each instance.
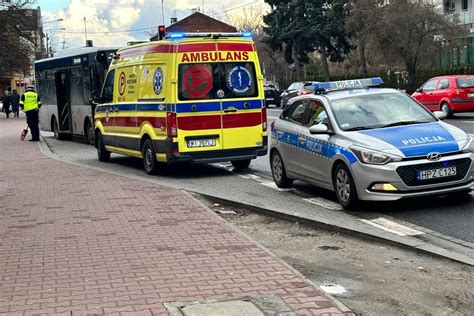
(408, 30)
(17, 42)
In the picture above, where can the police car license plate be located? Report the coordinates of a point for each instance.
(470, 95)
(201, 143)
(436, 173)
(270, 99)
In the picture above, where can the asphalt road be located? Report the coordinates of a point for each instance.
(452, 218)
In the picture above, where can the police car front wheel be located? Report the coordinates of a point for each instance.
(344, 187)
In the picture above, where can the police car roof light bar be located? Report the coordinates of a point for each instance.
(204, 35)
(321, 87)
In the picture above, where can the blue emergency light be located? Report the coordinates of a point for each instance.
(347, 84)
(172, 36)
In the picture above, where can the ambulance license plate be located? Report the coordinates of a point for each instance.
(195, 143)
(436, 173)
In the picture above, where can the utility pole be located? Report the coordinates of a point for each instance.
(47, 45)
(162, 13)
(64, 42)
(85, 29)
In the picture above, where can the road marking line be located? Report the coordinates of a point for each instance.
(392, 227)
(272, 185)
(324, 203)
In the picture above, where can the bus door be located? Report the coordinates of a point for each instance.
(63, 100)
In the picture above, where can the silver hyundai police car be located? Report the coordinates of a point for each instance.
(369, 144)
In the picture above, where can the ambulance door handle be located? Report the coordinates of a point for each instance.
(116, 109)
(230, 109)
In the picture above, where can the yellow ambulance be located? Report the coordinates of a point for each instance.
(191, 97)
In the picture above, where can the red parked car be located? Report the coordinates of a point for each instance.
(450, 94)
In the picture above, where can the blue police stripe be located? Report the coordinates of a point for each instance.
(314, 146)
(417, 140)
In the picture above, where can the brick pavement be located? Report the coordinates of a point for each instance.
(75, 241)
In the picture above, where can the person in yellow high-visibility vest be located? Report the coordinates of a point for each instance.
(30, 102)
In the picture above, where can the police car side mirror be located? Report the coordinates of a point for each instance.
(439, 115)
(319, 129)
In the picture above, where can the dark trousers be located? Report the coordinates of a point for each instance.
(32, 121)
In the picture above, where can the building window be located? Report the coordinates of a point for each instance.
(464, 5)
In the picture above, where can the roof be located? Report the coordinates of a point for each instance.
(76, 51)
(198, 22)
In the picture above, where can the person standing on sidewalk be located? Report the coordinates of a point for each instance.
(30, 102)
(15, 101)
(6, 101)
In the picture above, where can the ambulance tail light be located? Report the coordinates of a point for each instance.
(264, 119)
(171, 125)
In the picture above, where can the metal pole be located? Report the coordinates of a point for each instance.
(47, 47)
(85, 29)
(162, 13)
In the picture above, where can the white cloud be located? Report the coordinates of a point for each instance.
(107, 19)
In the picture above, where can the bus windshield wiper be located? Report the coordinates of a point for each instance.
(403, 123)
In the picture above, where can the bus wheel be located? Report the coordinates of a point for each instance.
(102, 153)
(150, 163)
(89, 133)
(240, 164)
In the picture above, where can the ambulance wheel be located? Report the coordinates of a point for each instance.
(240, 164)
(344, 187)
(149, 157)
(102, 153)
(279, 171)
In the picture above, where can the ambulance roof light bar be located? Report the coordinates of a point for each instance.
(205, 35)
(322, 87)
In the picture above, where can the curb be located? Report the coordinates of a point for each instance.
(424, 247)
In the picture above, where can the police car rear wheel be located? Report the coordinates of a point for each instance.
(104, 154)
(240, 164)
(279, 172)
(344, 187)
(149, 157)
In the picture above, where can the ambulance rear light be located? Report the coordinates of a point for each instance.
(172, 36)
(171, 125)
(347, 84)
(264, 119)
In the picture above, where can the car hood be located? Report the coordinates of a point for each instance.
(413, 140)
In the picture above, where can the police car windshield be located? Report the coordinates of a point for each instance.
(378, 111)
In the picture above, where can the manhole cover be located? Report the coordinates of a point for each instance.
(229, 308)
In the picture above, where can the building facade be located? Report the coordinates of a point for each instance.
(461, 52)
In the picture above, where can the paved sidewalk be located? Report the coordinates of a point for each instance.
(75, 241)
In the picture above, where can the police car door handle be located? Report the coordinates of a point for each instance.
(230, 109)
(301, 139)
(280, 133)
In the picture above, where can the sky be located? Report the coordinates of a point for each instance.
(113, 23)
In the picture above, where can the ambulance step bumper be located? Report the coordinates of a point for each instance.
(219, 155)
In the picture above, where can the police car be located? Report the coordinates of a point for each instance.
(369, 143)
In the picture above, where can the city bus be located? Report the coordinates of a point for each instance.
(66, 84)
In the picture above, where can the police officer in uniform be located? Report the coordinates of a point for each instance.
(30, 102)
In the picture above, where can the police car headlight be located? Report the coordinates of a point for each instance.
(469, 146)
(374, 157)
